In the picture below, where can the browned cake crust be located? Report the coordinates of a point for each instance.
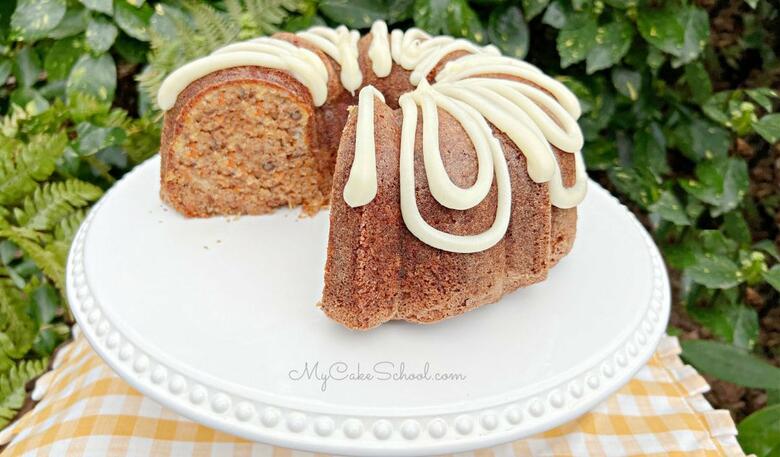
(247, 140)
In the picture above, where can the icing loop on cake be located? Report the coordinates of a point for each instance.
(447, 193)
(482, 88)
(409, 210)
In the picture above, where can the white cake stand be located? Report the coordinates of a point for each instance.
(216, 320)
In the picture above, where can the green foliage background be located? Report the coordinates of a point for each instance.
(678, 117)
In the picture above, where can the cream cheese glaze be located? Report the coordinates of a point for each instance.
(535, 120)
(361, 185)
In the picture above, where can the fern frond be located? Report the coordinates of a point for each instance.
(202, 28)
(51, 202)
(17, 328)
(4, 215)
(81, 107)
(52, 266)
(117, 118)
(67, 227)
(267, 15)
(219, 27)
(9, 126)
(21, 165)
(12, 386)
(235, 10)
(143, 139)
(196, 46)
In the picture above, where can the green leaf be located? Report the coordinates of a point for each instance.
(600, 155)
(655, 59)
(101, 6)
(47, 303)
(715, 271)
(731, 364)
(30, 100)
(50, 338)
(698, 81)
(769, 127)
(773, 277)
(735, 226)
(699, 139)
(650, 149)
(400, 10)
(131, 50)
(715, 107)
(532, 8)
(462, 21)
(74, 22)
(681, 32)
(733, 322)
(722, 183)
(100, 35)
(715, 241)
(612, 43)
(92, 138)
(95, 76)
(556, 14)
(769, 247)
(132, 20)
(639, 186)
(759, 433)
(627, 82)
(356, 14)
(61, 57)
(669, 208)
(745, 323)
(431, 15)
(574, 44)
(27, 66)
(507, 30)
(33, 19)
(763, 96)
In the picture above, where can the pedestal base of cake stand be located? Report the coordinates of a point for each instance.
(217, 320)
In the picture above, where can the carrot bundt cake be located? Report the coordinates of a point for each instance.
(452, 172)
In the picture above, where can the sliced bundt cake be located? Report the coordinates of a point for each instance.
(452, 172)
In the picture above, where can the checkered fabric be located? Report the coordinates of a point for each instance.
(87, 410)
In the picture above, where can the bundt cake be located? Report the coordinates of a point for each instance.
(452, 172)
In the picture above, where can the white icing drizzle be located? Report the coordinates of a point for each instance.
(446, 192)
(379, 50)
(433, 55)
(477, 64)
(341, 44)
(537, 113)
(361, 185)
(409, 210)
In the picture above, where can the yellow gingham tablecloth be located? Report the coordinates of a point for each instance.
(85, 409)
